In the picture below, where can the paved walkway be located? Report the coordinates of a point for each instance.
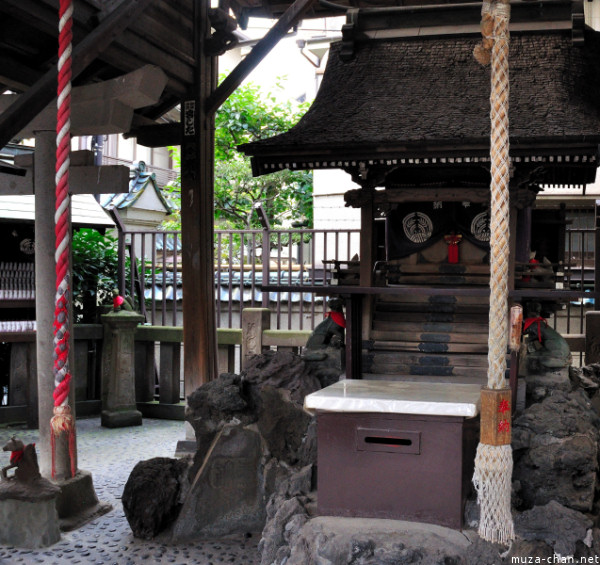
(110, 455)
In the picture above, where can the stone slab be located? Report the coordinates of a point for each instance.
(397, 397)
(121, 418)
(227, 495)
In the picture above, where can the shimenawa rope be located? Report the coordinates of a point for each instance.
(493, 463)
(62, 420)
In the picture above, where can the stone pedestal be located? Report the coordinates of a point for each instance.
(28, 516)
(118, 375)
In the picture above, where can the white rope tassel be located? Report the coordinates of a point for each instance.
(492, 480)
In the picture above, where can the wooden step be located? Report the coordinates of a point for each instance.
(441, 279)
(431, 327)
(432, 299)
(437, 371)
(440, 268)
(429, 337)
(482, 309)
(429, 346)
(425, 359)
(445, 317)
(458, 379)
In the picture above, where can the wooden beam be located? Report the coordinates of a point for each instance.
(101, 108)
(12, 170)
(197, 214)
(289, 18)
(159, 135)
(43, 91)
(82, 180)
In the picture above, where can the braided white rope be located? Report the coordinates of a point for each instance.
(500, 178)
(494, 463)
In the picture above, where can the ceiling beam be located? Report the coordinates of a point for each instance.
(288, 20)
(159, 135)
(162, 135)
(36, 98)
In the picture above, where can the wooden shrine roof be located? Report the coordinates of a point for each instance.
(139, 33)
(426, 100)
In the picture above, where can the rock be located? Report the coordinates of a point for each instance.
(361, 541)
(281, 370)
(586, 378)
(252, 434)
(328, 367)
(153, 495)
(555, 445)
(273, 545)
(539, 386)
(213, 405)
(282, 423)
(554, 524)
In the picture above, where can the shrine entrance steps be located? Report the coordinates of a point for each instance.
(428, 337)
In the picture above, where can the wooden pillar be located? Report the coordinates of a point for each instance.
(523, 235)
(353, 336)
(512, 246)
(367, 250)
(596, 255)
(592, 337)
(197, 215)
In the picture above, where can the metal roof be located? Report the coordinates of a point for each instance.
(140, 180)
(85, 210)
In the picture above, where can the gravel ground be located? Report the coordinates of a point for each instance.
(110, 455)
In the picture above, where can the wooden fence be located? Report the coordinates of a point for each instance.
(159, 380)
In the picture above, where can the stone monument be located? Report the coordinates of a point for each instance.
(118, 369)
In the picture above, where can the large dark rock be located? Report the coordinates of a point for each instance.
(283, 424)
(270, 390)
(251, 433)
(153, 495)
(215, 404)
(554, 524)
(283, 370)
(555, 445)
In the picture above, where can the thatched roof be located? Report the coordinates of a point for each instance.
(427, 97)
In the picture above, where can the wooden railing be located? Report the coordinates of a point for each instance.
(159, 379)
(299, 257)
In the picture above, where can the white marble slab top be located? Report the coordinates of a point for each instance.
(397, 397)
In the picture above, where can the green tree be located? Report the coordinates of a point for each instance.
(249, 115)
(94, 272)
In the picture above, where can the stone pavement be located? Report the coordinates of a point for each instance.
(110, 455)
